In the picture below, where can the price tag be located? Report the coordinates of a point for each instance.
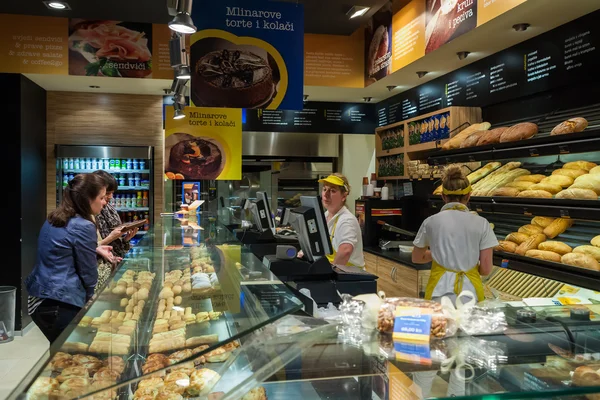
(504, 263)
(564, 213)
(533, 152)
(527, 213)
(448, 160)
(472, 158)
(564, 149)
(478, 209)
(412, 324)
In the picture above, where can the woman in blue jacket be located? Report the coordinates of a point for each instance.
(65, 273)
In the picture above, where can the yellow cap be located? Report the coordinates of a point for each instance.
(334, 180)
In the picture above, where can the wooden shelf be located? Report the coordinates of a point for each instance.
(391, 178)
(391, 152)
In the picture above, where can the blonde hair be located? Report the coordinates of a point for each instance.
(453, 179)
(345, 189)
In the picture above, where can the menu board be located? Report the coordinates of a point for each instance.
(563, 56)
(316, 117)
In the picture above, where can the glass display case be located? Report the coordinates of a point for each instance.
(195, 315)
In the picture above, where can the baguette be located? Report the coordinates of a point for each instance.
(521, 185)
(557, 227)
(584, 165)
(504, 245)
(576, 193)
(517, 237)
(531, 229)
(530, 244)
(517, 132)
(542, 221)
(571, 125)
(541, 194)
(506, 192)
(537, 178)
(492, 136)
(573, 173)
(547, 187)
(592, 251)
(556, 247)
(499, 181)
(595, 242)
(544, 255)
(561, 180)
(588, 181)
(581, 260)
(455, 142)
(595, 170)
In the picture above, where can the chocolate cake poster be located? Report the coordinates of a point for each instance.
(205, 145)
(248, 54)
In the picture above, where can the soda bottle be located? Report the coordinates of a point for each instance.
(138, 201)
(145, 200)
(111, 164)
(123, 164)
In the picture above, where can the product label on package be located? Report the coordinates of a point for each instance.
(412, 324)
(415, 353)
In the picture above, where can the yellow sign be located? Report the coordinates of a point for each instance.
(490, 9)
(401, 386)
(205, 145)
(34, 45)
(408, 30)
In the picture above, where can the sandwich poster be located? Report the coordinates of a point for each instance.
(248, 54)
(378, 45)
(206, 145)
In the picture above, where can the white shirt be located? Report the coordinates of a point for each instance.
(347, 230)
(455, 239)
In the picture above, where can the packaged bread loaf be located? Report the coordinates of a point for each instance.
(588, 181)
(522, 131)
(595, 170)
(581, 260)
(441, 325)
(576, 193)
(530, 244)
(542, 221)
(521, 185)
(455, 142)
(595, 241)
(544, 255)
(571, 125)
(531, 229)
(505, 245)
(557, 227)
(535, 178)
(477, 175)
(492, 136)
(547, 187)
(584, 165)
(517, 237)
(506, 192)
(573, 173)
(592, 251)
(540, 194)
(560, 180)
(556, 247)
(472, 140)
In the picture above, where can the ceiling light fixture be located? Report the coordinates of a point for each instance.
(421, 74)
(182, 22)
(463, 54)
(183, 72)
(367, 99)
(179, 114)
(357, 11)
(521, 27)
(57, 5)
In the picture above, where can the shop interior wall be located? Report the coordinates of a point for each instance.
(105, 119)
(357, 160)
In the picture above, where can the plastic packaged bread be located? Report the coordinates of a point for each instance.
(492, 136)
(556, 247)
(540, 194)
(592, 251)
(584, 165)
(576, 193)
(441, 325)
(595, 241)
(530, 229)
(544, 255)
(573, 173)
(517, 132)
(581, 260)
(542, 221)
(505, 245)
(517, 237)
(547, 187)
(530, 244)
(588, 181)
(535, 178)
(521, 185)
(571, 125)
(561, 180)
(506, 192)
(557, 227)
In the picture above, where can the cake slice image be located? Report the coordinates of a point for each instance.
(193, 157)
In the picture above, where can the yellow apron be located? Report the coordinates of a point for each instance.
(331, 257)
(438, 270)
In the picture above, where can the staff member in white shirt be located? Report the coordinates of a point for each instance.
(460, 243)
(344, 230)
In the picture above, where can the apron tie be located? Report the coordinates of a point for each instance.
(331, 257)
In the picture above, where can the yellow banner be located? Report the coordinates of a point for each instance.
(34, 45)
(205, 145)
(490, 9)
(408, 30)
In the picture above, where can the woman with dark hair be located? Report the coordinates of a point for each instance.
(65, 273)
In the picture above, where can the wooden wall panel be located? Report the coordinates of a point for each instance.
(105, 119)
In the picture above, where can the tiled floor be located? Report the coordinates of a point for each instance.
(18, 357)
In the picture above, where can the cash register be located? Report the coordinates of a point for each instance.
(314, 271)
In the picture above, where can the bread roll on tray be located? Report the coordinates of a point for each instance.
(581, 260)
(592, 251)
(571, 125)
(573, 173)
(561, 180)
(595, 171)
(517, 237)
(544, 255)
(530, 229)
(536, 178)
(547, 187)
(455, 142)
(505, 245)
(530, 244)
(576, 193)
(557, 227)
(542, 221)
(521, 185)
(588, 181)
(506, 192)
(492, 136)
(538, 194)
(595, 241)
(524, 130)
(584, 165)
(556, 247)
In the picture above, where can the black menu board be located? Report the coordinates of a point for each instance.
(316, 117)
(563, 56)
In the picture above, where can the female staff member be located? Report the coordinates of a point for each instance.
(460, 242)
(65, 273)
(344, 231)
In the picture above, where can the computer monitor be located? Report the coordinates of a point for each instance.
(310, 224)
(261, 213)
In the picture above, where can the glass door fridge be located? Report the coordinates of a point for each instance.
(132, 167)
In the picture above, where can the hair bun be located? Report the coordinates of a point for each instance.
(453, 172)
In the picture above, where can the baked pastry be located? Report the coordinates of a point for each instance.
(557, 227)
(535, 178)
(258, 393)
(179, 356)
(202, 381)
(544, 255)
(217, 355)
(592, 251)
(234, 79)
(42, 387)
(561, 180)
(146, 392)
(520, 185)
(547, 187)
(73, 372)
(75, 387)
(584, 165)
(74, 347)
(167, 395)
(492, 136)
(588, 181)
(152, 366)
(542, 221)
(530, 229)
(176, 376)
(595, 241)
(517, 237)
(186, 367)
(573, 173)
(154, 383)
(524, 130)
(556, 247)
(198, 340)
(581, 260)
(106, 374)
(530, 244)
(571, 125)
(60, 364)
(540, 194)
(576, 193)
(93, 366)
(161, 358)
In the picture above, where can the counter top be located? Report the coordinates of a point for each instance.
(397, 256)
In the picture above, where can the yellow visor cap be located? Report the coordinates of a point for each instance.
(334, 180)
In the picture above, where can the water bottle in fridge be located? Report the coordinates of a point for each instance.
(94, 164)
(135, 164)
(77, 164)
(88, 163)
(65, 163)
(71, 163)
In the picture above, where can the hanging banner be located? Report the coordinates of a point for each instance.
(378, 45)
(490, 9)
(447, 20)
(248, 54)
(408, 27)
(205, 145)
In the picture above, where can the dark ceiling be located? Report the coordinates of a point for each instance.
(321, 16)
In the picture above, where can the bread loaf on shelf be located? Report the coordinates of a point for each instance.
(492, 136)
(573, 173)
(588, 181)
(521, 185)
(505, 245)
(584, 165)
(472, 140)
(592, 251)
(530, 244)
(560, 180)
(541, 194)
(455, 142)
(517, 237)
(595, 170)
(595, 241)
(530, 229)
(499, 180)
(517, 132)
(506, 192)
(535, 178)
(581, 260)
(571, 125)
(556, 247)
(542, 221)
(544, 255)
(576, 193)
(547, 187)
(557, 227)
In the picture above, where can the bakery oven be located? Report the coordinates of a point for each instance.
(295, 179)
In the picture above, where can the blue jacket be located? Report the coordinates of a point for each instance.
(66, 268)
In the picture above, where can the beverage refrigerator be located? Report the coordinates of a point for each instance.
(132, 167)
